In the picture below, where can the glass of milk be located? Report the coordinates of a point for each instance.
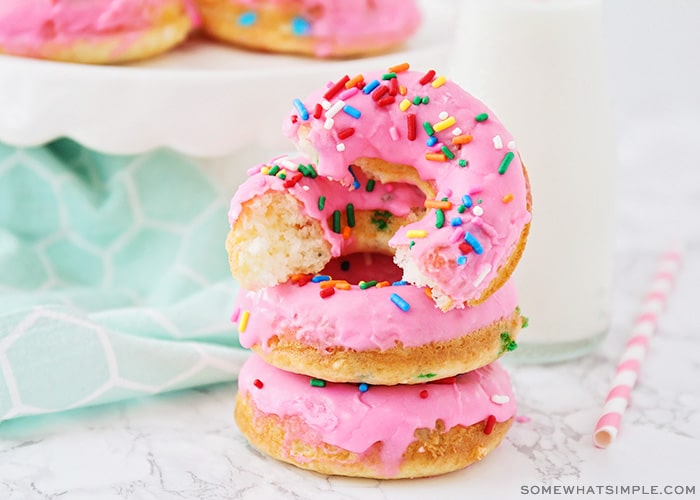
(538, 64)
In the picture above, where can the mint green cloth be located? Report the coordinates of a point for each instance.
(113, 278)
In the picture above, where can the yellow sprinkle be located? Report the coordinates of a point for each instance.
(507, 198)
(416, 233)
(265, 170)
(343, 286)
(399, 68)
(282, 172)
(243, 322)
(439, 82)
(404, 105)
(446, 123)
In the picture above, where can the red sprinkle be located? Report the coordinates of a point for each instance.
(385, 101)
(490, 422)
(304, 280)
(345, 133)
(317, 111)
(337, 87)
(446, 381)
(423, 394)
(393, 86)
(465, 247)
(361, 85)
(428, 77)
(411, 135)
(258, 383)
(294, 118)
(291, 181)
(379, 92)
(326, 292)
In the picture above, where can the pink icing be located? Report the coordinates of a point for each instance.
(341, 415)
(345, 22)
(496, 224)
(26, 25)
(362, 319)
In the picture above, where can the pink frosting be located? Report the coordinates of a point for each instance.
(341, 415)
(345, 22)
(26, 25)
(362, 319)
(487, 169)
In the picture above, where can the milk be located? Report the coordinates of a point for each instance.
(539, 66)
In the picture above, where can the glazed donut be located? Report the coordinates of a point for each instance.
(319, 28)
(375, 329)
(374, 431)
(95, 31)
(407, 130)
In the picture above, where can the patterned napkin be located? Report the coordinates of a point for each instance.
(113, 278)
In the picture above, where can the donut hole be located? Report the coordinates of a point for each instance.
(364, 266)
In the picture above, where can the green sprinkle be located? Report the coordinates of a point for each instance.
(526, 322)
(336, 221)
(427, 375)
(417, 100)
(321, 202)
(426, 100)
(274, 170)
(304, 171)
(506, 162)
(380, 218)
(428, 128)
(282, 175)
(410, 245)
(481, 117)
(350, 212)
(388, 76)
(315, 382)
(312, 171)
(370, 185)
(447, 152)
(439, 218)
(461, 209)
(463, 163)
(507, 343)
(364, 285)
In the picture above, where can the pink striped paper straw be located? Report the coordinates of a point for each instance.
(636, 348)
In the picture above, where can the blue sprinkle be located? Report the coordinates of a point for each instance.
(456, 221)
(474, 243)
(363, 387)
(247, 19)
(399, 283)
(300, 26)
(319, 278)
(354, 112)
(432, 141)
(370, 86)
(467, 201)
(461, 260)
(355, 183)
(400, 303)
(303, 112)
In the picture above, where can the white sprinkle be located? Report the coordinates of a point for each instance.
(394, 133)
(288, 164)
(335, 109)
(482, 274)
(305, 187)
(511, 145)
(457, 131)
(478, 211)
(326, 104)
(329, 123)
(421, 450)
(340, 147)
(500, 399)
(443, 115)
(498, 142)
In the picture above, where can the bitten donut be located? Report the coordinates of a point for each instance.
(401, 128)
(374, 431)
(357, 322)
(95, 31)
(320, 28)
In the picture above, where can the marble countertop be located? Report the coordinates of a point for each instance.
(186, 445)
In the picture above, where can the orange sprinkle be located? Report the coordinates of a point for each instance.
(403, 90)
(354, 81)
(382, 284)
(347, 231)
(507, 198)
(444, 205)
(462, 139)
(298, 277)
(428, 292)
(343, 286)
(435, 157)
(399, 68)
(330, 283)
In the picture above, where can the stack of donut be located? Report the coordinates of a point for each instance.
(375, 270)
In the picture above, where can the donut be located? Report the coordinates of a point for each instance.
(95, 31)
(374, 431)
(363, 332)
(465, 203)
(317, 28)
